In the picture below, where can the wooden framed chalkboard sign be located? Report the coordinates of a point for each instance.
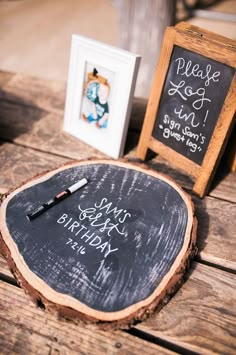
(111, 252)
(191, 108)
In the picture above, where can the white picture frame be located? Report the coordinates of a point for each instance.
(100, 89)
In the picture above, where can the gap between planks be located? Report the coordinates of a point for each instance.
(216, 263)
(201, 316)
(163, 342)
(30, 320)
(212, 313)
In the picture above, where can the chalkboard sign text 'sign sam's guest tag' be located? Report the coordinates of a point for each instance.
(191, 107)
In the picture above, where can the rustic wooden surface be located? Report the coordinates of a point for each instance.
(200, 317)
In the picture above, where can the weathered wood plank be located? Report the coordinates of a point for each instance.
(50, 95)
(5, 77)
(222, 186)
(36, 128)
(216, 238)
(19, 164)
(17, 120)
(4, 269)
(202, 315)
(20, 340)
(20, 319)
(22, 89)
(160, 164)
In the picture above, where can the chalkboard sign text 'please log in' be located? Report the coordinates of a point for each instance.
(192, 104)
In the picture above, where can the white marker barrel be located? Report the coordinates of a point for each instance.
(77, 185)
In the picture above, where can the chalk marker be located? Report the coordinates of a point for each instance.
(58, 198)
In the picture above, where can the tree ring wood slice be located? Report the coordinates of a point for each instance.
(111, 253)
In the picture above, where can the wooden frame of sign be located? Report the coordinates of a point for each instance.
(176, 121)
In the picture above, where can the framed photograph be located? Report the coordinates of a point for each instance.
(99, 96)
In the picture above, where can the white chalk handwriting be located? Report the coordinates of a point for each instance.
(189, 69)
(188, 115)
(84, 230)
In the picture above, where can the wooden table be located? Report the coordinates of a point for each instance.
(200, 318)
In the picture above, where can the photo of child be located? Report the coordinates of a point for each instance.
(97, 93)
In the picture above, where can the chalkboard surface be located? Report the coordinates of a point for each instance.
(192, 98)
(110, 244)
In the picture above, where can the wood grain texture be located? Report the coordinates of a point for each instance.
(42, 286)
(50, 95)
(19, 164)
(218, 142)
(38, 129)
(211, 36)
(34, 331)
(32, 91)
(201, 317)
(216, 238)
(209, 47)
(4, 269)
(221, 187)
(155, 94)
(180, 161)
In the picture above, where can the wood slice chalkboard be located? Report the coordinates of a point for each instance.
(111, 252)
(191, 108)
